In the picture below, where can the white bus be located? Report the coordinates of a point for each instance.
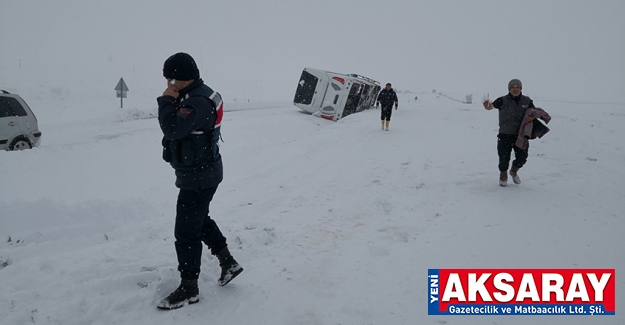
(333, 95)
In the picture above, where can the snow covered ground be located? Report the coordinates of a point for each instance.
(334, 222)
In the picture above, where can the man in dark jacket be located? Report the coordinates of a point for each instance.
(189, 113)
(512, 109)
(387, 98)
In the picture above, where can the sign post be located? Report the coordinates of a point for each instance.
(122, 89)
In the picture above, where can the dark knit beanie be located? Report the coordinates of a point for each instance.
(515, 82)
(180, 66)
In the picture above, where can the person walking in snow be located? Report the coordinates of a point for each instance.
(512, 108)
(189, 114)
(387, 98)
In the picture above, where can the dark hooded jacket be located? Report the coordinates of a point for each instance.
(387, 98)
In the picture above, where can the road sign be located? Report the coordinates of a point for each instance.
(122, 89)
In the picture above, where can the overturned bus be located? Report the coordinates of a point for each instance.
(333, 95)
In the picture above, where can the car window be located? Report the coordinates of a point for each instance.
(11, 107)
(5, 110)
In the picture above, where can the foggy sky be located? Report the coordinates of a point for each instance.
(560, 49)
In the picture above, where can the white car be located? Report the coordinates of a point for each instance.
(18, 124)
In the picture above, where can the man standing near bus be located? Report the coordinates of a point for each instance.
(387, 98)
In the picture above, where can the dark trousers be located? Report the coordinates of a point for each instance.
(386, 113)
(505, 145)
(194, 226)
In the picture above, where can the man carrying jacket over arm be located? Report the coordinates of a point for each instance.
(189, 113)
(512, 109)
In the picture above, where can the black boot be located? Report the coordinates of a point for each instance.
(187, 293)
(229, 267)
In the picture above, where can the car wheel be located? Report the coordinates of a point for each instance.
(20, 143)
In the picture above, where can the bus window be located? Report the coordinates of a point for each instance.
(305, 89)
